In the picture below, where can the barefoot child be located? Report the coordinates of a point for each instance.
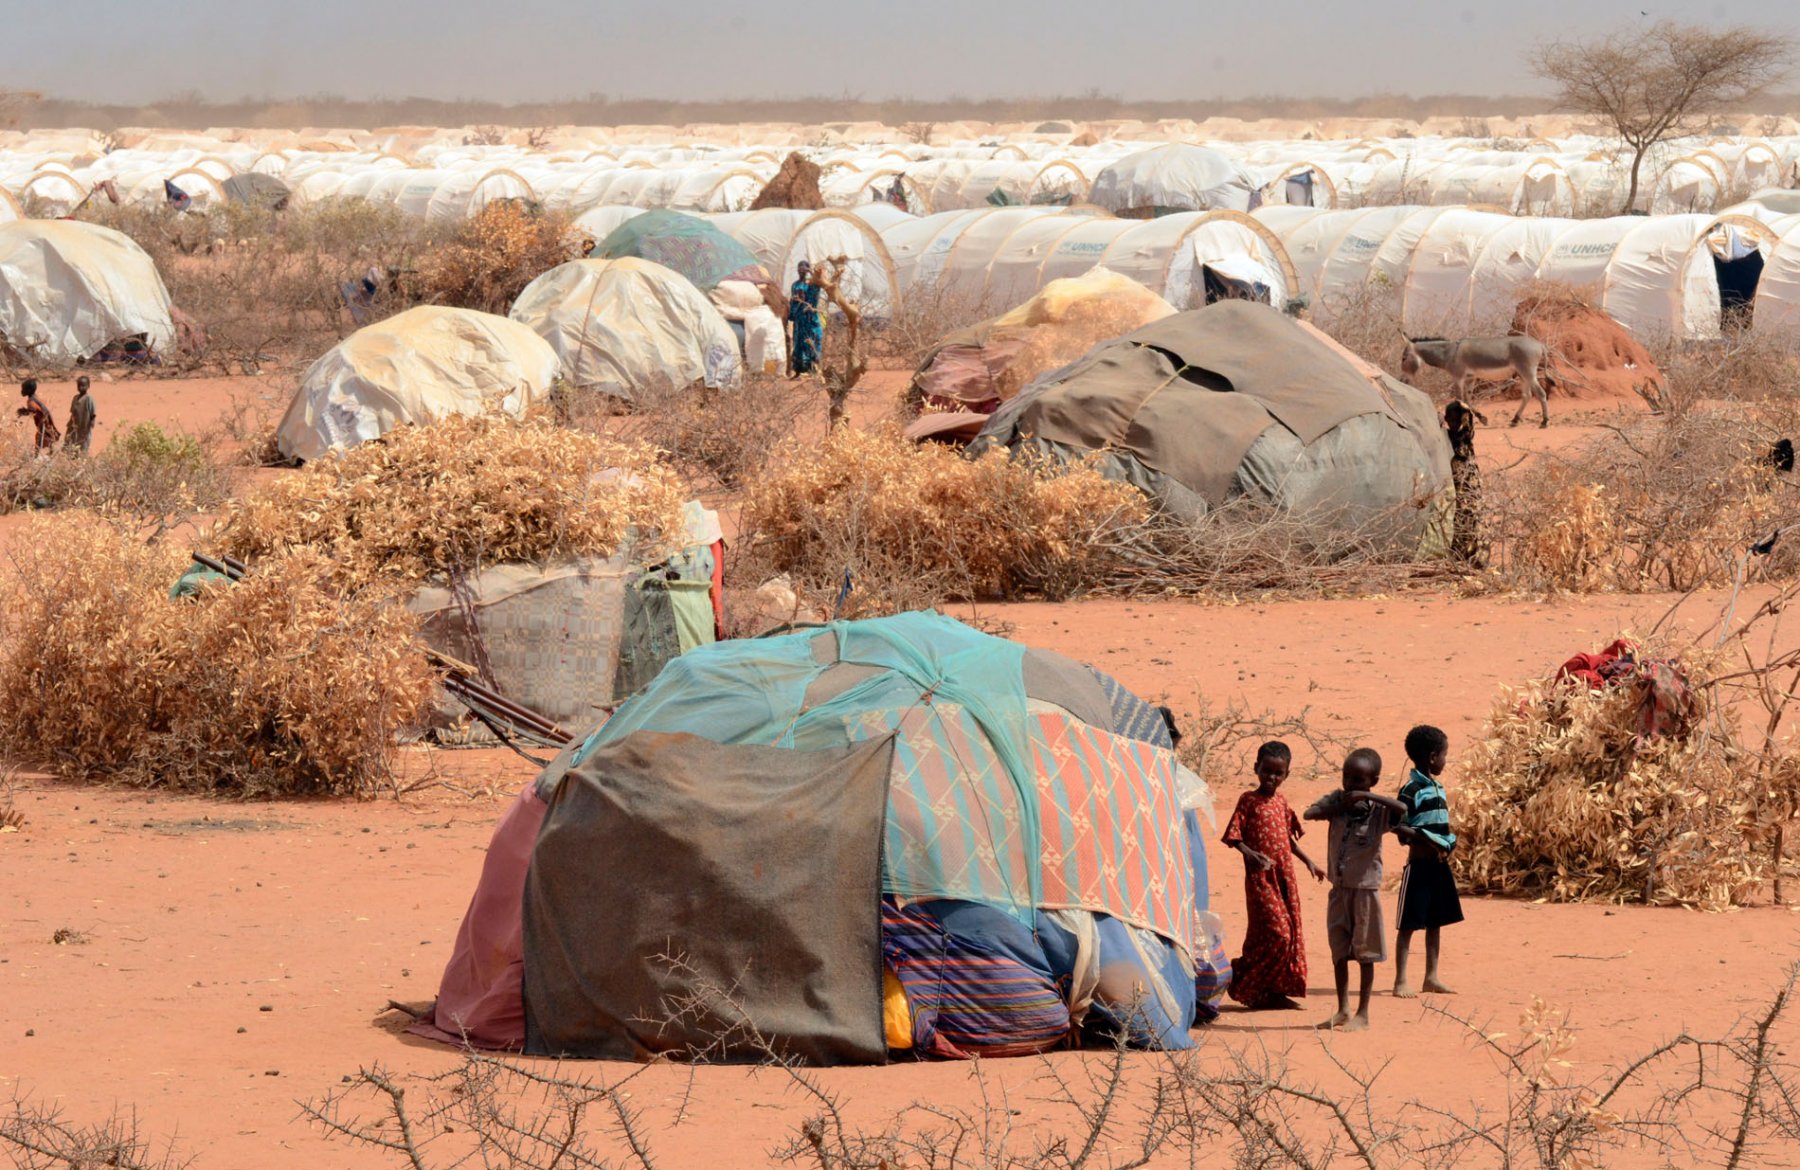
(1428, 899)
(1359, 820)
(1272, 969)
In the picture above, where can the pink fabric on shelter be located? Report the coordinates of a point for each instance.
(481, 998)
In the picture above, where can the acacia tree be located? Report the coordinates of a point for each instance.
(1657, 82)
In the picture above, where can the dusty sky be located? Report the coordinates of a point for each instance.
(132, 51)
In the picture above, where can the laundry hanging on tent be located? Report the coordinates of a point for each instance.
(178, 199)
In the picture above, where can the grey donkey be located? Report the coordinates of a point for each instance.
(1491, 358)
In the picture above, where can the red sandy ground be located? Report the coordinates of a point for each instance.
(238, 956)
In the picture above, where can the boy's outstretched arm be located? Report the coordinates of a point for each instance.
(1324, 808)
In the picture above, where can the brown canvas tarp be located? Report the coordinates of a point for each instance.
(759, 867)
(1187, 396)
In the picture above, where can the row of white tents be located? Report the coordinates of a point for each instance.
(1557, 178)
(1441, 270)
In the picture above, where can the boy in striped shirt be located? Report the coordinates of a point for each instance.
(1428, 898)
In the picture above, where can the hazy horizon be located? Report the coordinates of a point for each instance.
(114, 53)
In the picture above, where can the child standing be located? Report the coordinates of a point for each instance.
(1272, 969)
(1428, 898)
(1359, 820)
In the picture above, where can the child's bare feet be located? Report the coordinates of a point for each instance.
(1405, 991)
(1434, 987)
(1355, 1024)
(1336, 1021)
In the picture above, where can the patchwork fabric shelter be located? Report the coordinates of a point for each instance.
(889, 834)
(416, 367)
(68, 290)
(1233, 401)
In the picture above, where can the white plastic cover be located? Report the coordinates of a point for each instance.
(626, 325)
(67, 289)
(416, 367)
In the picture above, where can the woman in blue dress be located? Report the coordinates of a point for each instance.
(809, 327)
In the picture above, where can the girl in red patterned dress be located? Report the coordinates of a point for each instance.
(1272, 970)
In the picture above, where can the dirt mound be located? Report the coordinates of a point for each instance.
(1591, 355)
(795, 185)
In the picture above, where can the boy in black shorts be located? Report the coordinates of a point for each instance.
(1428, 898)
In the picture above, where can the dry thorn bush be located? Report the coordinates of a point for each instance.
(1655, 506)
(909, 527)
(1563, 798)
(460, 494)
(727, 437)
(490, 258)
(145, 473)
(40, 1137)
(264, 286)
(1728, 1102)
(927, 312)
(284, 683)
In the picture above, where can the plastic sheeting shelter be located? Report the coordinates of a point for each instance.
(625, 326)
(897, 833)
(1001, 258)
(1455, 271)
(413, 368)
(1239, 401)
(69, 289)
(1176, 177)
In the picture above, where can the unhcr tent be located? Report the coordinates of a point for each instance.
(622, 327)
(414, 368)
(1239, 401)
(888, 834)
(696, 249)
(68, 290)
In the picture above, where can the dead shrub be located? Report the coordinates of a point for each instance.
(459, 494)
(901, 527)
(1741, 366)
(490, 258)
(923, 317)
(264, 286)
(284, 683)
(1245, 547)
(145, 473)
(726, 436)
(1663, 506)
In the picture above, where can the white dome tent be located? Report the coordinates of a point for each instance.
(626, 326)
(416, 367)
(68, 289)
(1176, 177)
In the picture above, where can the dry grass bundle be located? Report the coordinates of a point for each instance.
(913, 526)
(459, 494)
(284, 683)
(1560, 800)
(493, 256)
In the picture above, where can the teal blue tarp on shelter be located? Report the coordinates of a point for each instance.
(691, 246)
